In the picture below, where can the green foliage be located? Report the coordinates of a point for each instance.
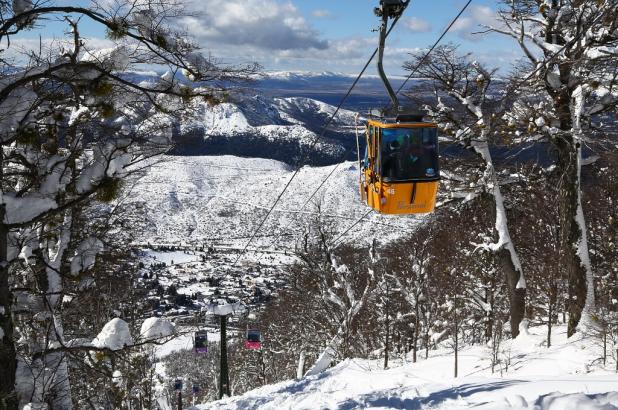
(107, 110)
(118, 30)
(27, 136)
(212, 100)
(102, 89)
(109, 189)
(186, 94)
(160, 40)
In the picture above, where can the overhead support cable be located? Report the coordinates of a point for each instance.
(448, 28)
(315, 141)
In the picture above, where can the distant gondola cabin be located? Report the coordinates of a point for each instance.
(254, 339)
(400, 172)
(201, 342)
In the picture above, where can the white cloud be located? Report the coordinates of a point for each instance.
(416, 25)
(475, 19)
(321, 13)
(266, 24)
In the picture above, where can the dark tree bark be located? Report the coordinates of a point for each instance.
(568, 194)
(517, 296)
(224, 377)
(456, 346)
(571, 233)
(8, 359)
(415, 337)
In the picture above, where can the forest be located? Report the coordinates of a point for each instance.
(524, 234)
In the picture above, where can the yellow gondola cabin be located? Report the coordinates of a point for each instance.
(400, 172)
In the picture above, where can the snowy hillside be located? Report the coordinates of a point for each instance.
(529, 376)
(220, 200)
(276, 128)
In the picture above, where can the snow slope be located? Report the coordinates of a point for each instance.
(559, 378)
(221, 200)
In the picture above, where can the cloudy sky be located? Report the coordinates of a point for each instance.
(331, 35)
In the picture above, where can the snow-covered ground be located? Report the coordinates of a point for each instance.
(566, 376)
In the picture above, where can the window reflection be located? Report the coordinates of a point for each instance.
(409, 154)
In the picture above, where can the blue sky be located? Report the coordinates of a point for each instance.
(323, 35)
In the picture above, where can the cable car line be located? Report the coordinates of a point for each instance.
(434, 46)
(319, 137)
(335, 244)
(448, 28)
(393, 97)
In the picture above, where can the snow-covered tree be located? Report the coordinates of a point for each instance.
(343, 293)
(538, 232)
(384, 302)
(409, 271)
(73, 123)
(466, 108)
(570, 47)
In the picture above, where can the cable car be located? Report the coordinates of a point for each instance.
(254, 339)
(200, 341)
(400, 173)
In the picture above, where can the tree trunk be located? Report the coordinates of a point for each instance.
(388, 335)
(327, 356)
(604, 346)
(456, 350)
(517, 295)
(224, 378)
(415, 337)
(300, 370)
(489, 327)
(8, 358)
(504, 249)
(573, 240)
(549, 324)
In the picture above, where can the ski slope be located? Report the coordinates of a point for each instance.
(561, 377)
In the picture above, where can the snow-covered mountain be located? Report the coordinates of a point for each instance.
(279, 117)
(286, 129)
(330, 87)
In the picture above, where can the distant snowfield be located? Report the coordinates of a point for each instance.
(220, 201)
(559, 378)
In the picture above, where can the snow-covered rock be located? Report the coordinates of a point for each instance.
(115, 335)
(156, 328)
